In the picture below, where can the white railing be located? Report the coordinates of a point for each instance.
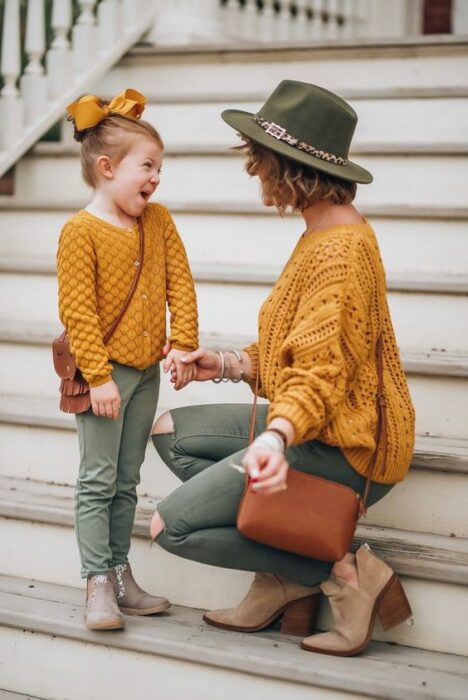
(282, 21)
(79, 55)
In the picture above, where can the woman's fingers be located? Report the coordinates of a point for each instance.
(193, 356)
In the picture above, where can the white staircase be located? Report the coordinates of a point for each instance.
(412, 99)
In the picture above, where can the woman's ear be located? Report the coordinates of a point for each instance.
(104, 167)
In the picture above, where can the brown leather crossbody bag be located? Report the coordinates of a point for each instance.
(313, 517)
(74, 389)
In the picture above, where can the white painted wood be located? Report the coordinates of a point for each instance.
(224, 179)
(435, 247)
(109, 22)
(182, 22)
(10, 56)
(59, 58)
(49, 554)
(34, 83)
(51, 455)
(384, 671)
(405, 68)
(460, 17)
(84, 38)
(173, 678)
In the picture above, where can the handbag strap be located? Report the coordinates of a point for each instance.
(136, 279)
(381, 426)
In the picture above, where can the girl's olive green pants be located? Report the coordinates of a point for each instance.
(111, 454)
(200, 516)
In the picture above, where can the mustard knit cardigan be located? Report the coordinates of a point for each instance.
(96, 265)
(317, 350)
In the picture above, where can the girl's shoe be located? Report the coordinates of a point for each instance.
(131, 599)
(269, 597)
(380, 593)
(102, 611)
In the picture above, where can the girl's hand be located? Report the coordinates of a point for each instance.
(268, 469)
(207, 362)
(105, 400)
(181, 374)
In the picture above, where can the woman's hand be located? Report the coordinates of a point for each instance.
(105, 400)
(207, 362)
(181, 373)
(268, 469)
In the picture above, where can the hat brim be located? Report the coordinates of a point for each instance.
(245, 124)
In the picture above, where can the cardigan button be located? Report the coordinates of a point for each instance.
(137, 263)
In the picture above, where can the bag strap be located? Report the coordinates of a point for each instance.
(136, 279)
(381, 426)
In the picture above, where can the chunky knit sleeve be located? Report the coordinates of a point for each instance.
(76, 268)
(180, 291)
(252, 351)
(328, 340)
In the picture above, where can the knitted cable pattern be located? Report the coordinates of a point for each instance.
(317, 350)
(96, 264)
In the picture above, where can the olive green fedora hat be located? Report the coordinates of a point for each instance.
(305, 123)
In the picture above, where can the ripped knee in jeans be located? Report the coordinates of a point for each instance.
(163, 425)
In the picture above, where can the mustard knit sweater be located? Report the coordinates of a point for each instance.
(96, 265)
(317, 350)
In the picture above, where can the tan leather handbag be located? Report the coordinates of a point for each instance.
(313, 517)
(74, 389)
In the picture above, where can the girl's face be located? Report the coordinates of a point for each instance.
(136, 177)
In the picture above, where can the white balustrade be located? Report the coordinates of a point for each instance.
(31, 103)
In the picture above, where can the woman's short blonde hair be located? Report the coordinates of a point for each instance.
(288, 183)
(113, 137)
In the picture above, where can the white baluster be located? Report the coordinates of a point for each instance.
(348, 25)
(300, 22)
(59, 57)
(84, 37)
(230, 18)
(317, 31)
(284, 22)
(110, 25)
(249, 21)
(332, 15)
(33, 83)
(186, 22)
(11, 104)
(266, 22)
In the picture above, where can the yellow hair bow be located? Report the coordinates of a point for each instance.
(89, 109)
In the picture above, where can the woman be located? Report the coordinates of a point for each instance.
(316, 359)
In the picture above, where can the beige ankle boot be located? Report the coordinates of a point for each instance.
(354, 609)
(270, 596)
(102, 611)
(132, 600)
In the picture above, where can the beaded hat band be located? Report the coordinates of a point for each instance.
(278, 132)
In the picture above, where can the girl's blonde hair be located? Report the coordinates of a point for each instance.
(113, 137)
(291, 184)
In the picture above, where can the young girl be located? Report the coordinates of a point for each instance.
(98, 255)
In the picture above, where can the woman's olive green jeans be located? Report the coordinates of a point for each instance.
(200, 516)
(112, 452)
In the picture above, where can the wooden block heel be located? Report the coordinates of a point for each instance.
(300, 617)
(393, 607)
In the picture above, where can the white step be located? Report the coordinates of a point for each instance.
(422, 321)
(40, 443)
(37, 521)
(397, 182)
(193, 74)
(409, 122)
(439, 399)
(430, 246)
(183, 658)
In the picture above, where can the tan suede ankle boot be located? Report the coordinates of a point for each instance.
(102, 611)
(132, 600)
(270, 596)
(354, 609)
